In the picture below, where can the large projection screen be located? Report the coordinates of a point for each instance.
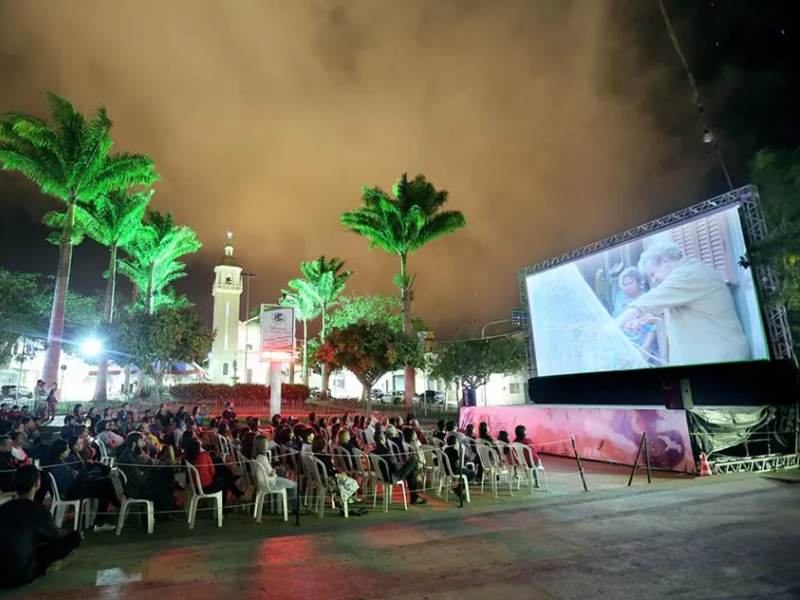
(676, 297)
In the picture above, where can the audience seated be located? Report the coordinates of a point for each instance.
(407, 471)
(214, 478)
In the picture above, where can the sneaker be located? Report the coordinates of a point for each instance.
(419, 501)
(101, 528)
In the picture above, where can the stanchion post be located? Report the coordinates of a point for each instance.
(578, 462)
(636, 461)
(646, 456)
(297, 504)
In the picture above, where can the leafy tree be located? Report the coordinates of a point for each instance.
(20, 311)
(374, 308)
(114, 221)
(306, 308)
(470, 363)
(777, 175)
(154, 341)
(25, 303)
(70, 160)
(323, 280)
(369, 350)
(400, 224)
(152, 260)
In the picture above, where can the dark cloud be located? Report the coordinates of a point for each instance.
(544, 120)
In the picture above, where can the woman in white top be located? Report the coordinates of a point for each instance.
(266, 477)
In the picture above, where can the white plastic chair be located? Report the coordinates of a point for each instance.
(343, 461)
(198, 494)
(224, 447)
(447, 478)
(505, 457)
(105, 458)
(396, 450)
(317, 482)
(272, 489)
(494, 469)
(379, 465)
(432, 468)
(369, 479)
(120, 480)
(524, 460)
(436, 442)
(59, 507)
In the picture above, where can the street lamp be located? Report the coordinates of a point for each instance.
(91, 347)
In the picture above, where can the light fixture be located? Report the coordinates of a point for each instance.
(91, 347)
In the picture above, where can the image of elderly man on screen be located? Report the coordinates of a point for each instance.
(702, 325)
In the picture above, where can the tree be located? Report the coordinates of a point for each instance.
(154, 341)
(152, 260)
(114, 221)
(399, 225)
(374, 308)
(20, 311)
(470, 363)
(70, 160)
(306, 308)
(777, 175)
(324, 280)
(25, 303)
(369, 350)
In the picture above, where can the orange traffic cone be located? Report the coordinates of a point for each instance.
(705, 468)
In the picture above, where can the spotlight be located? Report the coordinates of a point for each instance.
(91, 347)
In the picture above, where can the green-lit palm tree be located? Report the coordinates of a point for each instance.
(69, 159)
(115, 221)
(306, 308)
(152, 260)
(400, 224)
(323, 280)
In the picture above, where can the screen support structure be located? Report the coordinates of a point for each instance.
(755, 229)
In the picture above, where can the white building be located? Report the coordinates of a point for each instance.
(226, 289)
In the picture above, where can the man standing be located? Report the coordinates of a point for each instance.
(31, 541)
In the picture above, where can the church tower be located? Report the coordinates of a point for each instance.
(227, 289)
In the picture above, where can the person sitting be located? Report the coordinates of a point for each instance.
(339, 484)
(106, 433)
(214, 478)
(154, 483)
(521, 438)
(266, 477)
(67, 428)
(8, 465)
(391, 471)
(77, 414)
(229, 414)
(31, 541)
(17, 451)
(483, 432)
(307, 436)
(75, 483)
(453, 455)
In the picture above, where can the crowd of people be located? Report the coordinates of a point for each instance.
(221, 448)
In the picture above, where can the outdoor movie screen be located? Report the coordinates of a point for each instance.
(676, 297)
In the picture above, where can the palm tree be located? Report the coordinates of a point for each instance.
(152, 262)
(114, 220)
(70, 160)
(306, 308)
(401, 224)
(324, 281)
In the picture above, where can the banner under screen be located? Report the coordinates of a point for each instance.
(676, 297)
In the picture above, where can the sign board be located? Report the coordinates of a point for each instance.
(277, 333)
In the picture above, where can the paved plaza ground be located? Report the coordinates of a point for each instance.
(736, 536)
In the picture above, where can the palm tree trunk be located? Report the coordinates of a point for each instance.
(305, 353)
(409, 373)
(55, 331)
(149, 298)
(101, 383)
(326, 375)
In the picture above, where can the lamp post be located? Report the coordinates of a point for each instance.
(247, 277)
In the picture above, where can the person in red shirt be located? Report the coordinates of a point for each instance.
(213, 478)
(520, 437)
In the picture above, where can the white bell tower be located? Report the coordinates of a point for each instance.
(227, 289)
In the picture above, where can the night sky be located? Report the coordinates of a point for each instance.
(551, 123)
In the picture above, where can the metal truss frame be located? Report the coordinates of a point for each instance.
(756, 464)
(775, 317)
